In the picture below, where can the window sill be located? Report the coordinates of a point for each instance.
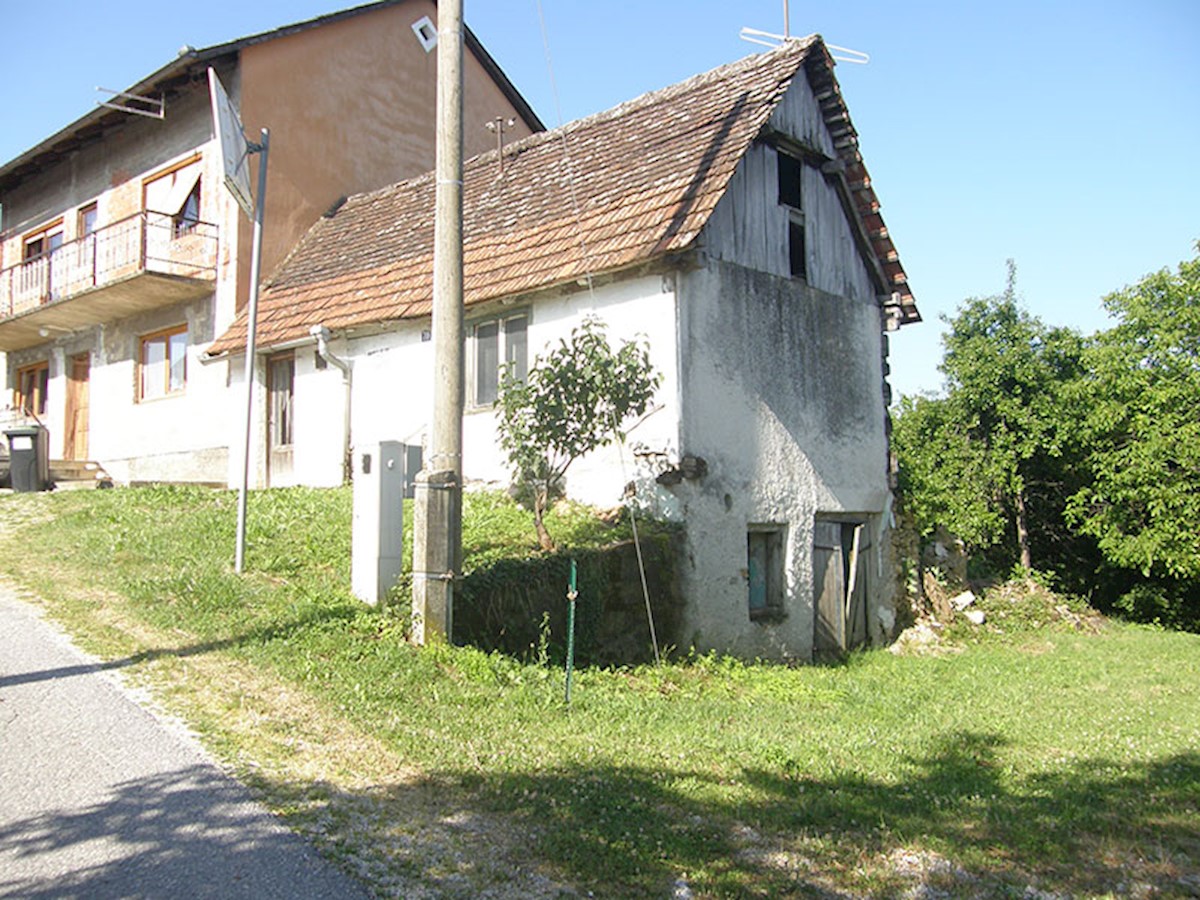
(771, 615)
(171, 396)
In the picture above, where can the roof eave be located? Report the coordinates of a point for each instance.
(15, 169)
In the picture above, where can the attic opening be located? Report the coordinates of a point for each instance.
(791, 197)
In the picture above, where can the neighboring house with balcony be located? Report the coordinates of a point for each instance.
(730, 221)
(122, 256)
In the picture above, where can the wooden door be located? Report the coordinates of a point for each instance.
(281, 388)
(857, 541)
(75, 438)
(829, 590)
(840, 586)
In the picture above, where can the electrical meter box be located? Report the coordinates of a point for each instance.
(377, 535)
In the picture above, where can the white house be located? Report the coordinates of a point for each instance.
(729, 220)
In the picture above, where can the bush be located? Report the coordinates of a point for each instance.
(1171, 604)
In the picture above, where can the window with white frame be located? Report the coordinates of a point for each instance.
(496, 343)
(162, 363)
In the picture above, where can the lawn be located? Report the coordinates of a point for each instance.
(1043, 755)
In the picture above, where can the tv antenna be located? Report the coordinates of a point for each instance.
(499, 126)
(151, 107)
(769, 39)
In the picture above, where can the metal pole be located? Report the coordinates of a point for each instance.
(251, 326)
(572, 594)
(437, 517)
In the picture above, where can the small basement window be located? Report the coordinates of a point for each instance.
(764, 571)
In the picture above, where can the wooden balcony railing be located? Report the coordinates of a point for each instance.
(144, 242)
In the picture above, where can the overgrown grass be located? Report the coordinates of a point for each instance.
(1046, 754)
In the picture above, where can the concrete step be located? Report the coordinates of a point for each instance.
(78, 473)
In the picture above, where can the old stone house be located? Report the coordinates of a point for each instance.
(122, 257)
(731, 222)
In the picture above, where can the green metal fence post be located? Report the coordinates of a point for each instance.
(571, 595)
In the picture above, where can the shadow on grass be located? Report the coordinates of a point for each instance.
(263, 635)
(956, 825)
(1095, 827)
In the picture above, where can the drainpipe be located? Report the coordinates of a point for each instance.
(321, 334)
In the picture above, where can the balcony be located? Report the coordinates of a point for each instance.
(147, 261)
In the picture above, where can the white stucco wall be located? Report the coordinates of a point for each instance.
(393, 389)
(181, 437)
(639, 308)
(782, 388)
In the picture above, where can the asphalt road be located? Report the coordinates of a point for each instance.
(100, 799)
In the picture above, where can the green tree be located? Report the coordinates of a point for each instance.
(1142, 427)
(969, 459)
(575, 399)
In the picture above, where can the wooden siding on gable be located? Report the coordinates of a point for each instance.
(749, 226)
(834, 263)
(799, 115)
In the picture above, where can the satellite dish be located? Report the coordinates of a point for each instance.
(232, 146)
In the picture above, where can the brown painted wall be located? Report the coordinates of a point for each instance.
(351, 107)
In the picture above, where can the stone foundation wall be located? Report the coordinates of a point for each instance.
(503, 607)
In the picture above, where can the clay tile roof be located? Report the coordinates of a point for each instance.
(611, 191)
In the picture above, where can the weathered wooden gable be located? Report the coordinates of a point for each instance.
(750, 225)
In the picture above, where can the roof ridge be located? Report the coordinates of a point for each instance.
(654, 169)
(797, 46)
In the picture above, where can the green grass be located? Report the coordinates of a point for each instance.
(1049, 752)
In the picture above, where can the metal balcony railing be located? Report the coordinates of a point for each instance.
(144, 242)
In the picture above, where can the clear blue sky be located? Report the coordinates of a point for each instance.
(1063, 135)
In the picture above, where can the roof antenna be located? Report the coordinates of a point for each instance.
(498, 126)
(134, 103)
(767, 39)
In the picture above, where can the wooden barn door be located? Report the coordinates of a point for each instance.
(840, 586)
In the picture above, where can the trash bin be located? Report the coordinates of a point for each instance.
(29, 458)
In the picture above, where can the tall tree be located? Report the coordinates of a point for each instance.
(967, 459)
(1143, 429)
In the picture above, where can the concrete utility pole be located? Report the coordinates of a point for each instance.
(437, 514)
